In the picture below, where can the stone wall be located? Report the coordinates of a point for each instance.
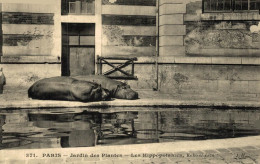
(30, 49)
(22, 76)
(28, 31)
(221, 33)
(223, 82)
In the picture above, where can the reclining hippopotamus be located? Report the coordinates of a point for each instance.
(67, 88)
(117, 89)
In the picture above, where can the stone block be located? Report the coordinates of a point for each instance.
(172, 30)
(239, 86)
(254, 86)
(167, 9)
(171, 41)
(252, 61)
(226, 60)
(29, 8)
(128, 10)
(172, 51)
(171, 19)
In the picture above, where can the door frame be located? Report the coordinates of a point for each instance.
(65, 57)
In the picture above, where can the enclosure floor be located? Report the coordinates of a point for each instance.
(19, 99)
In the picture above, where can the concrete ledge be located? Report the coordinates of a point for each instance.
(79, 18)
(223, 16)
(152, 103)
(161, 2)
(128, 10)
(30, 59)
(32, 8)
(178, 59)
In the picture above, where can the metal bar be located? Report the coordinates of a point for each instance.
(133, 68)
(119, 58)
(100, 66)
(123, 77)
(203, 6)
(119, 67)
(116, 68)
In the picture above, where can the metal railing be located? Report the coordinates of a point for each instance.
(117, 68)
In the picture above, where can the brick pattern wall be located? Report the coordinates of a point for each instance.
(27, 18)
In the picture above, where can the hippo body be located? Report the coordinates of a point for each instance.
(2, 81)
(117, 89)
(66, 88)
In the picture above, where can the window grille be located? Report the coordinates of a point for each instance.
(230, 5)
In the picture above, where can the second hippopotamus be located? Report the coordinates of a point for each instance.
(117, 89)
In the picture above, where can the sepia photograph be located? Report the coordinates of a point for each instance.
(130, 81)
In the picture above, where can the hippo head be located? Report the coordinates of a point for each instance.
(105, 94)
(100, 93)
(125, 92)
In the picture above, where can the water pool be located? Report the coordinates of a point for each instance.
(83, 127)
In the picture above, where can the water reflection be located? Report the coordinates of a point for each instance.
(63, 128)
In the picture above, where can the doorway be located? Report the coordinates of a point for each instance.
(78, 49)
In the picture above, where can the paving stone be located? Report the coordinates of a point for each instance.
(160, 160)
(216, 161)
(253, 153)
(247, 161)
(15, 162)
(210, 151)
(121, 162)
(105, 162)
(196, 152)
(258, 146)
(36, 161)
(228, 157)
(91, 159)
(235, 149)
(54, 161)
(199, 161)
(136, 161)
(223, 150)
(249, 148)
(177, 160)
(74, 159)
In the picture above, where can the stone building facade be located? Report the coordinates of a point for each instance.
(199, 48)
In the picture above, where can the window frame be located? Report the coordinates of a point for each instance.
(232, 7)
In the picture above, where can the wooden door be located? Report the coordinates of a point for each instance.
(82, 61)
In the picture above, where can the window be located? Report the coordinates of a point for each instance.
(78, 7)
(230, 5)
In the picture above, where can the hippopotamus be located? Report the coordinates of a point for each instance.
(2, 81)
(117, 89)
(67, 88)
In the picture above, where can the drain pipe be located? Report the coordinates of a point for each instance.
(157, 46)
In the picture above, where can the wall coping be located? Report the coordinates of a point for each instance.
(142, 60)
(200, 60)
(30, 59)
